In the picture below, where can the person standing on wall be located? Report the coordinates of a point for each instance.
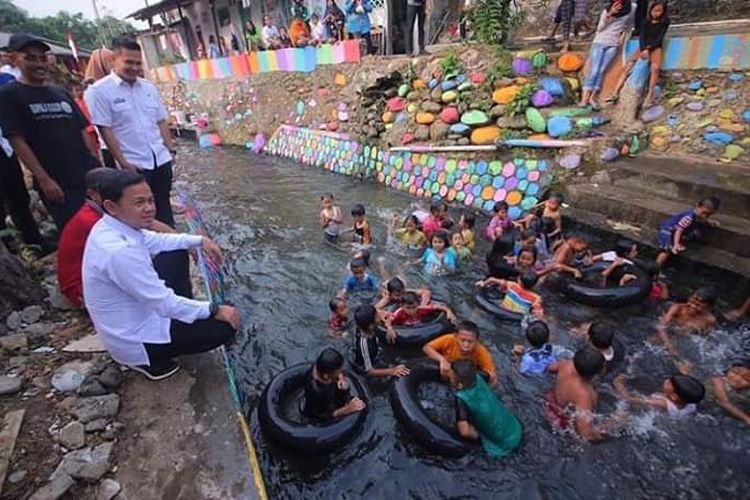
(132, 120)
(415, 11)
(358, 20)
(46, 130)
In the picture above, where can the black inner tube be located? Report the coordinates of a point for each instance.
(318, 437)
(592, 290)
(489, 299)
(418, 335)
(409, 412)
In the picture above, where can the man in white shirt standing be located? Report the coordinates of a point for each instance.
(132, 120)
(144, 324)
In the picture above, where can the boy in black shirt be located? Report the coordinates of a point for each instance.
(367, 346)
(47, 130)
(327, 389)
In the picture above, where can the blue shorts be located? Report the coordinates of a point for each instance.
(665, 239)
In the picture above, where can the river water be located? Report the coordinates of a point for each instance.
(264, 212)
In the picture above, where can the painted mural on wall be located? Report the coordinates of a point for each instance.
(474, 183)
(244, 65)
(726, 52)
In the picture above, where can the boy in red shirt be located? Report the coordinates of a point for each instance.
(411, 313)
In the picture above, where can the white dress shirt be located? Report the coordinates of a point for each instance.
(127, 301)
(133, 113)
(269, 34)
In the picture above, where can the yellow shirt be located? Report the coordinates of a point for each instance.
(416, 239)
(468, 239)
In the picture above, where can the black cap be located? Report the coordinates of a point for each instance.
(21, 40)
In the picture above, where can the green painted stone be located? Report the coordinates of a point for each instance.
(485, 180)
(403, 90)
(450, 166)
(475, 118)
(535, 121)
(495, 168)
(539, 60)
(435, 188)
(474, 179)
(464, 86)
(450, 180)
(460, 196)
(733, 151)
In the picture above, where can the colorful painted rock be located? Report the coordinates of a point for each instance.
(477, 78)
(412, 108)
(401, 117)
(485, 135)
(558, 126)
(433, 83)
(431, 107)
(535, 121)
(695, 106)
(746, 116)
(464, 87)
(570, 161)
(653, 113)
(726, 114)
(719, 138)
(475, 118)
(388, 117)
(573, 83)
(403, 90)
(539, 60)
(609, 154)
(521, 66)
(450, 115)
(695, 85)
(449, 96)
(396, 104)
(569, 62)
(459, 129)
(333, 126)
(449, 85)
(419, 84)
(552, 85)
(732, 152)
(343, 116)
(541, 99)
(505, 95)
(407, 138)
(339, 79)
(425, 118)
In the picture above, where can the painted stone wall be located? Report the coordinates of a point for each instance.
(474, 183)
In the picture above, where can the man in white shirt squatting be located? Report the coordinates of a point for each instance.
(144, 324)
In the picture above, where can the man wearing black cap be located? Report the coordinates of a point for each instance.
(46, 130)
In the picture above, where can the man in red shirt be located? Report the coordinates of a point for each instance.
(412, 314)
(76, 232)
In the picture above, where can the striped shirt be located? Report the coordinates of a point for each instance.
(518, 299)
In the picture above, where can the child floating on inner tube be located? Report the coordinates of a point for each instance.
(480, 414)
(367, 345)
(327, 389)
(463, 344)
(680, 398)
(624, 253)
(674, 231)
(541, 354)
(570, 255)
(393, 296)
(411, 313)
(518, 296)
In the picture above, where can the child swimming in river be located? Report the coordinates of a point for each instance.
(338, 321)
(466, 225)
(409, 235)
(437, 259)
(367, 344)
(570, 255)
(359, 280)
(412, 313)
(327, 394)
(541, 354)
(731, 392)
(500, 222)
(462, 253)
(479, 413)
(393, 296)
(693, 316)
(680, 398)
(550, 209)
(360, 226)
(519, 296)
(331, 219)
(676, 230)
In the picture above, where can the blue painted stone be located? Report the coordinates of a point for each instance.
(558, 126)
(695, 106)
(730, 95)
(433, 83)
(459, 129)
(746, 116)
(461, 79)
(449, 85)
(514, 212)
(401, 117)
(695, 85)
(609, 154)
(736, 77)
(552, 85)
(719, 138)
(653, 113)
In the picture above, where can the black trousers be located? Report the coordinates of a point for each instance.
(160, 181)
(414, 13)
(61, 213)
(108, 159)
(14, 197)
(200, 336)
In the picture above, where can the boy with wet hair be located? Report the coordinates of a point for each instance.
(327, 394)
(569, 255)
(463, 344)
(601, 336)
(411, 313)
(573, 400)
(393, 295)
(359, 280)
(541, 354)
(360, 226)
(731, 391)
(479, 413)
(367, 345)
(676, 230)
(680, 398)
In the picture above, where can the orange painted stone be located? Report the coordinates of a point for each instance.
(505, 95)
(419, 84)
(539, 137)
(485, 135)
(339, 79)
(388, 117)
(425, 118)
(570, 62)
(514, 198)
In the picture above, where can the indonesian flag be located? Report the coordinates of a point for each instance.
(73, 47)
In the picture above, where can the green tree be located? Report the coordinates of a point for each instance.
(87, 34)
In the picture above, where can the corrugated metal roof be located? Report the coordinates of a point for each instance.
(57, 48)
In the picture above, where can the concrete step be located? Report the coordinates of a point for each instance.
(635, 206)
(698, 260)
(687, 179)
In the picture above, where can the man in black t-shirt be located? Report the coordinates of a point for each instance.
(327, 389)
(47, 130)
